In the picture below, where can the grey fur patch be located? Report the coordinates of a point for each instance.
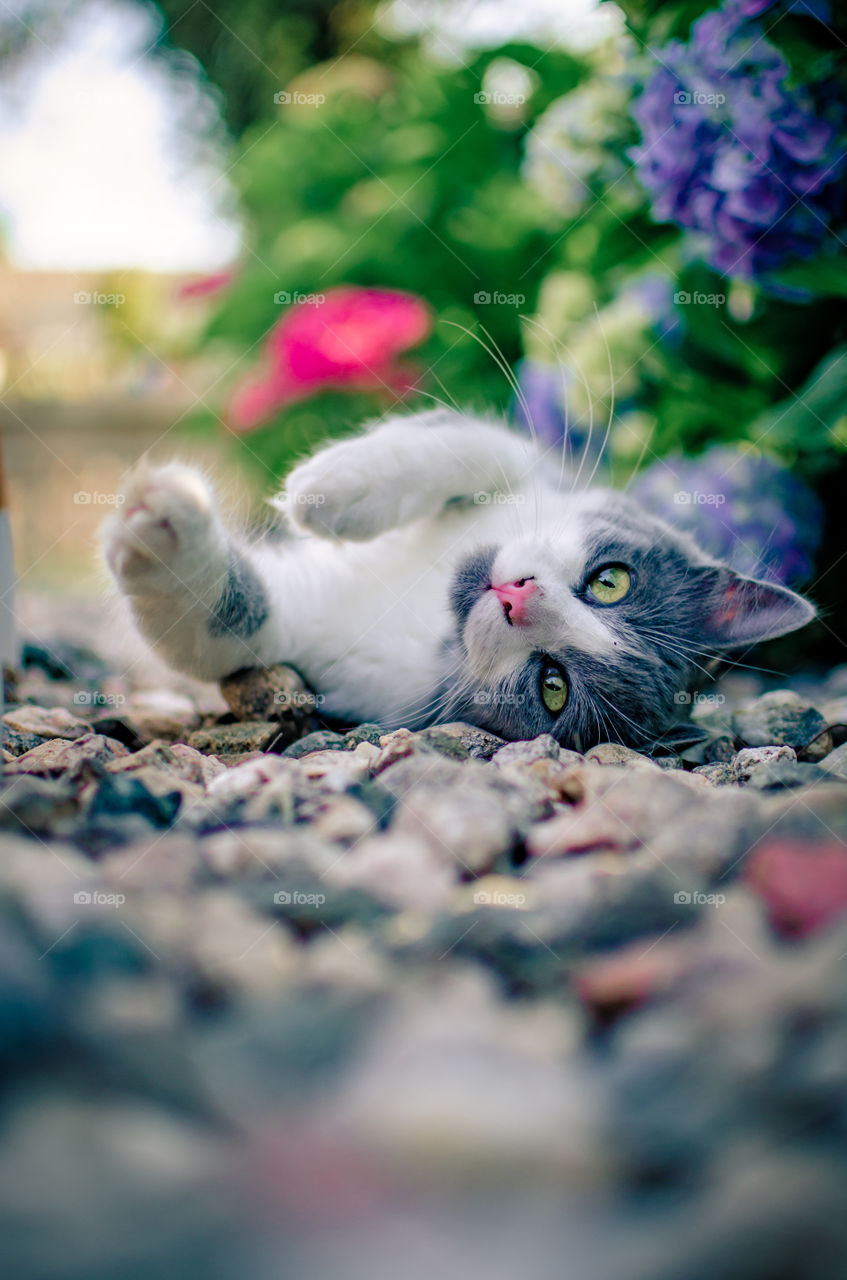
(242, 606)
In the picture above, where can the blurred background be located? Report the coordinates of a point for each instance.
(231, 231)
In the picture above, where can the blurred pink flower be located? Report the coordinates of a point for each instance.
(348, 338)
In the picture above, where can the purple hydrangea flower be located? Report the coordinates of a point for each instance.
(731, 151)
(746, 509)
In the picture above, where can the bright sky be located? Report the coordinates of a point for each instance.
(93, 170)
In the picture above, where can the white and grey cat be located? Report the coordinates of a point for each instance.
(440, 567)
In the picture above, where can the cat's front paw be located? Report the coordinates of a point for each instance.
(344, 493)
(164, 529)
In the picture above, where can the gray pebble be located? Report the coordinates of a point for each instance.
(781, 718)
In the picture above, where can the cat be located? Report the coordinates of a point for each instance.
(442, 567)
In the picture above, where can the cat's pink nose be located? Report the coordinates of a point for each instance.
(514, 597)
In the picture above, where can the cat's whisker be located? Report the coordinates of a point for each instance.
(555, 343)
(603, 447)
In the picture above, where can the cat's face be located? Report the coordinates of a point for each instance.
(599, 629)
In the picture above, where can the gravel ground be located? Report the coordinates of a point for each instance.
(278, 999)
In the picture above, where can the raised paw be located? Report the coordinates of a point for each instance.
(164, 529)
(353, 490)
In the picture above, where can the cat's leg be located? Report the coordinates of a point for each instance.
(407, 468)
(195, 594)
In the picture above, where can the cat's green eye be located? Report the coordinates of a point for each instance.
(554, 689)
(610, 584)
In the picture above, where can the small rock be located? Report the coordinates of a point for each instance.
(179, 760)
(79, 759)
(478, 743)
(781, 718)
(444, 742)
(37, 806)
(544, 747)
(612, 985)
(466, 823)
(119, 728)
(61, 660)
(747, 761)
(363, 733)
(17, 744)
(343, 767)
(397, 746)
(276, 693)
(804, 886)
(343, 820)
(836, 762)
(147, 792)
(787, 774)
(159, 713)
(320, 740)
(834, 710)
(613, 753)
(720, 750)
(399, 870)
(618, 812)
(47, 723)
(232, 739)
(717, 774)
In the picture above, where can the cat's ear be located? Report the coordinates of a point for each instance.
(740, 610)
